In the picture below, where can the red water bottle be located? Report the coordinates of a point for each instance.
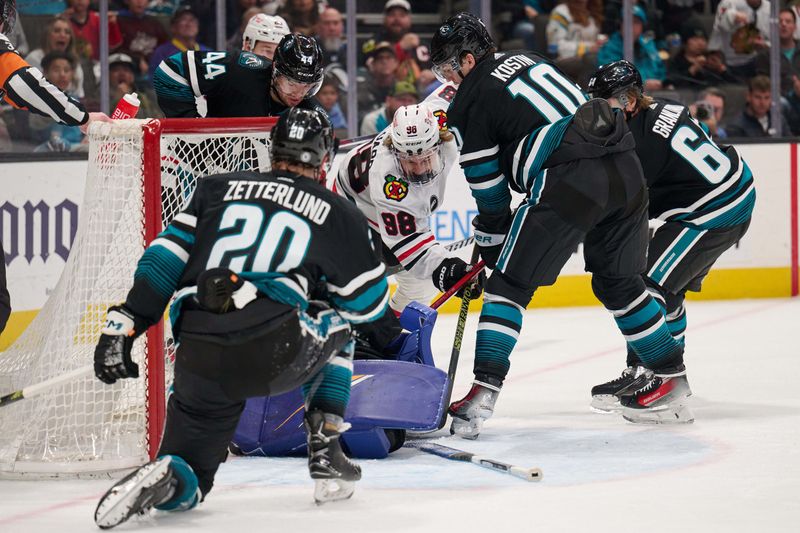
(127, 107)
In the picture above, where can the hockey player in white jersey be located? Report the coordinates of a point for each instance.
(398, 180)
(263, 33)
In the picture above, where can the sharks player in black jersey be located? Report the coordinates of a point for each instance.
(241, 84)
(263, 305)
(514, 114)
(704, 193)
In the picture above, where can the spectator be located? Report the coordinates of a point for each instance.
(301, 15)
(414, 57)
(572, 30)
(163, 7)
(86, 28)
(141, 33)
(612, 17)
(524, 28)
(715, 98)
(57, 37)
(41, 7)
(330, 35)
(184, 27)
(122, 81)
(402, 93)
(693, 65)
(741, 28)
(380, 78)
(675, 13)
(645, 54)
(755, 120)
(59, 68)
(263, 34)
(790, 55)
(328, 97)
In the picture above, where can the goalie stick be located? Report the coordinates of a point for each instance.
(439, 450)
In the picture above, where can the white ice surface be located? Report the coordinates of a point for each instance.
(737, 468)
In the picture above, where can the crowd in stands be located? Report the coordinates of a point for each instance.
(711, 55)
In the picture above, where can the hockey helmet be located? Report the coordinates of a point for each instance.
(305, 137)
(8, 16)
(613, 79)
(299, 58)
(416, 145)
(460, 34)
(263, 27)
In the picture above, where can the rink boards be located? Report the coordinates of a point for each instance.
(41, 205)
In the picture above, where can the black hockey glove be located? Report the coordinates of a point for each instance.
(112, 357)
(451, 271)
(489, 241)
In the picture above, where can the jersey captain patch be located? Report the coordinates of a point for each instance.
(395, 188)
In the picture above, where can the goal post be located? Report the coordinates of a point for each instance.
(140, 174)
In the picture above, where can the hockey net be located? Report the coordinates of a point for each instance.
(139, 177)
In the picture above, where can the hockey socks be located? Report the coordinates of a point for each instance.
(498, 330)
(329, 390)
(644, 326)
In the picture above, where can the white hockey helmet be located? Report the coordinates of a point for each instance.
(263, 27)
(416, 146)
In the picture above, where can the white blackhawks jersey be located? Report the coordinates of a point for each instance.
(400, 211)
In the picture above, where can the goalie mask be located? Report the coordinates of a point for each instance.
(416, 146)
(266, 29)
(303, 137)
(297, 68)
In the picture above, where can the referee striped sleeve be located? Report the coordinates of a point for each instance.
(27, 88)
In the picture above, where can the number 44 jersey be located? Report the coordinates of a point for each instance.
(398, 210)
(690, 179)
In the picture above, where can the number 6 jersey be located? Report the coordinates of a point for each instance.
(690, 179)
(396, 209)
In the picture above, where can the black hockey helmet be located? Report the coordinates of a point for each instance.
(299, 58)
(305, 137)
(462, 33)
(8, 16)
(614, 78)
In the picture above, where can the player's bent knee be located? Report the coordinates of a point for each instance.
(616, 293)
(502, 285)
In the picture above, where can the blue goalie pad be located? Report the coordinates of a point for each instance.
(384, 395)
(414, 344)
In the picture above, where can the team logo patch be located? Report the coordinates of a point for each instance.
(395, 188)
(246, 59)
(441, 116)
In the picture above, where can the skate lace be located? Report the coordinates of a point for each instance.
(626, 374)
(653, 383)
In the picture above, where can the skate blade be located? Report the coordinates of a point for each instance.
(331, 490)
(670, 414)
(605, 404)
(116, 505)
(466, 429)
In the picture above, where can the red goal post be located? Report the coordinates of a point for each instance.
(140, 174)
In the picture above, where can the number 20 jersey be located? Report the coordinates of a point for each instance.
(504, 98)
(690, 179)
(396, 209)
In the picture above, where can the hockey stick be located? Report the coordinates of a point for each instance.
(460, 326)
(452, 247)
(528, 474)
(35, 390)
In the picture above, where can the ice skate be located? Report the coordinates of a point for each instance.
(662, 400)
(333, 473)
(478, 405)
(605, 397)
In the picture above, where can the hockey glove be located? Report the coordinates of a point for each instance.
(490, 242)
(112, 357)
(451, 271)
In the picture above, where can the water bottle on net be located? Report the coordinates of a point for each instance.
(127, 107)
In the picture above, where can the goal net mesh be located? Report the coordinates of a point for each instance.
(85, 427)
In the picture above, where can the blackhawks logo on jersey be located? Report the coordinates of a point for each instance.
(395, 188)
(441, 116)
